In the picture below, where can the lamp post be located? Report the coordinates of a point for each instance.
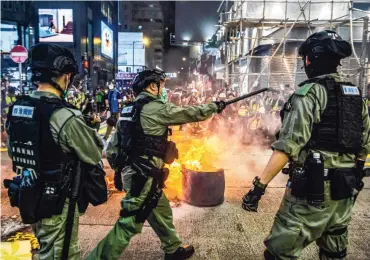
(145, 41)
(133, 55)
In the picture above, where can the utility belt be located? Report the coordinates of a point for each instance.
(144, 169)
(344, 182)
(37, 195)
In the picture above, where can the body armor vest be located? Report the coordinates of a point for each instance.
(134, 142)
(341, 125)
(31, 141)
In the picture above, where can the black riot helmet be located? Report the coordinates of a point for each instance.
(324, 50)
(144, 78)
(49, 61)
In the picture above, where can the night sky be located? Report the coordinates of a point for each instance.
(195, 21)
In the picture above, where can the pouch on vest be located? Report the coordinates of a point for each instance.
(342, 184)
(171, 154)
(30, 192)
(55, 191)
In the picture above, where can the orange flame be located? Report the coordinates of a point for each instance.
(195, 154)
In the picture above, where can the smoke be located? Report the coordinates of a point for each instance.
(242, 146)
(173, 59)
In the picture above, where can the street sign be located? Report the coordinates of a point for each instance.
(19, 54)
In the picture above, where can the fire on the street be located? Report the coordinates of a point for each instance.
(194, 154)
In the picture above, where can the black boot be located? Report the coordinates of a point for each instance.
(181, 253)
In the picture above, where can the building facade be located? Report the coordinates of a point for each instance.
(87, 28)
(259, 41)
(16, 29)
(146, 17)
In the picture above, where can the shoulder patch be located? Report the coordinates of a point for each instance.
(23, 111)
(302, 91)
(350, 90)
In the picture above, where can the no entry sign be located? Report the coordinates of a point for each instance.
(19, 54)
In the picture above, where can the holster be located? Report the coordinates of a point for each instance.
(342, 183)
(171, 154)
(150, 203)
(138, 181)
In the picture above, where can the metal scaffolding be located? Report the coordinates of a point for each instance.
(260, 38)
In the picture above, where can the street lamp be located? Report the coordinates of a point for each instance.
(182, 68)
(146, 41)
(184, 59)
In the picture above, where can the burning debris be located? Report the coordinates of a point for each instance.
(194, 155)
(190, 176)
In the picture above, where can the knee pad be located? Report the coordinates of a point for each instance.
(341, 254)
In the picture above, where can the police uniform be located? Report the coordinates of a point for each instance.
(45, 136)
(155, 117)
(325, 135)
(297, 224)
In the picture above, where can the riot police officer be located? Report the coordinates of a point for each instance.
(325, 135)
(47, 137)
(141, 148)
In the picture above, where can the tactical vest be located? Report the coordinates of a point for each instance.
(341, 125)
(134, 142)
(31, 140)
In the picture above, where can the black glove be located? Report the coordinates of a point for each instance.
(13, 190)
(251, 199)
(220, 105)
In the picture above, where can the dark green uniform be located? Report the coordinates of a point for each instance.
(297, 223)
(68, 129)
(156, 116)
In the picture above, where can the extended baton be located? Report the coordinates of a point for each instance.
(246, 96)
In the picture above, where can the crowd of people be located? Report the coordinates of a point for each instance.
(260, 112)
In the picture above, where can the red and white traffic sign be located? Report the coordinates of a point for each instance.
(19, 54)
